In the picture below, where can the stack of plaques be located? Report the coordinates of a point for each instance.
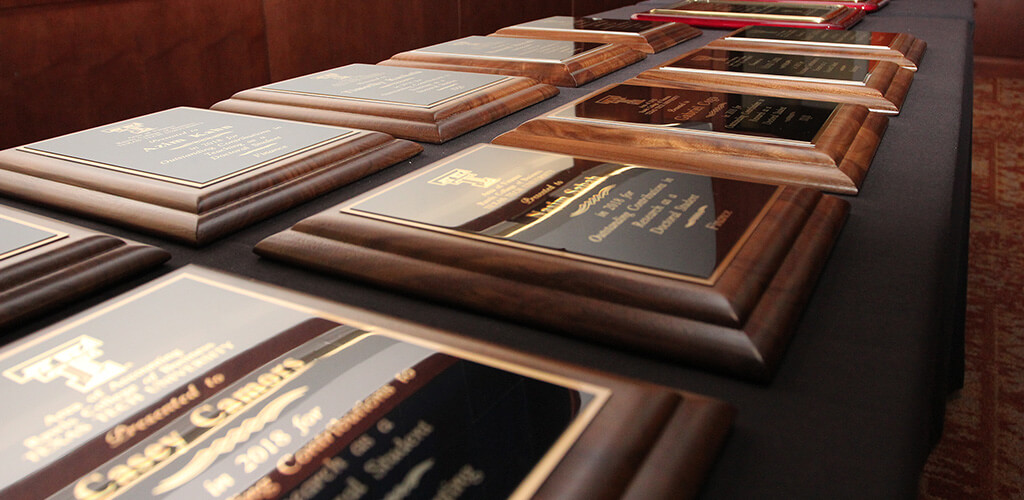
(45, 263)
(735, 14)
(825, 145)
(712, 272)
(203, 385)
(880, 85)
(558, 62)
(194, 174)
(411, 103)
(903, 49)
(645, 36)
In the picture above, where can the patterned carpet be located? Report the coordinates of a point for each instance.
(981, 454)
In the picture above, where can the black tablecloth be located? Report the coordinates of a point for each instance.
(857, 402)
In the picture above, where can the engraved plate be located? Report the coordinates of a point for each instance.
(640, 218)
(355, 411)
(89, 380)
(404, 86)
(754, 10)
(591, 24)
(511, 48)
(755, 117)
(843, 71)
(189, 146)
(867, 39)
(17, 236)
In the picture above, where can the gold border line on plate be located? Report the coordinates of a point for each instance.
(399, 103)
(184, 182)
(350, 208)
(56, 236)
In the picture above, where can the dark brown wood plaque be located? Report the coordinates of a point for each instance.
(645, 36)
(711, 272)
(903, 49)
(823, 145)
(411, 103)
(556, 62)
(193, 175)
(324, 404)
(46, 263)
(881, 86)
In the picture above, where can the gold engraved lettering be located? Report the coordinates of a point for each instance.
(123, 432)
(380, 466)
(411, 481)
(336, 428)
(696, 216)
(611, 227)
(204, 458)
(131, 128)
(616, 99)
(96, 485)
(74, 360)
(719, 221)
(592, 200)
(204, 415)
(459, 176)
(453, 488)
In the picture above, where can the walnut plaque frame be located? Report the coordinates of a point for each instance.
(46, 263)
(556, 62)
(710, 272)
(645, 36)
(881, 86)
(316, 386)
(901, 48)
(191, 174)
(823, 145)
(410, 103)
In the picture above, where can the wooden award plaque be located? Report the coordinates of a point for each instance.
(45, 263)
(736, 14)
(707, 271)
(193, 174)
(645, 36)
(411, 103)
(242, 390)
(881, 86)
(824, 145)
(903, 49)
(557, 62)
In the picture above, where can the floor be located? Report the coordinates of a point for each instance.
(981, 454)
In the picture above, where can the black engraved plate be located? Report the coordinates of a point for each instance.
(769, 65)
(18, 237)
(84, 384)
(405, 86)
(511, 48)
(771, 118)
(643, 218)
(190, 146)
(354, 414)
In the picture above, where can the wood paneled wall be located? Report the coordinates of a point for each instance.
(67, 65)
